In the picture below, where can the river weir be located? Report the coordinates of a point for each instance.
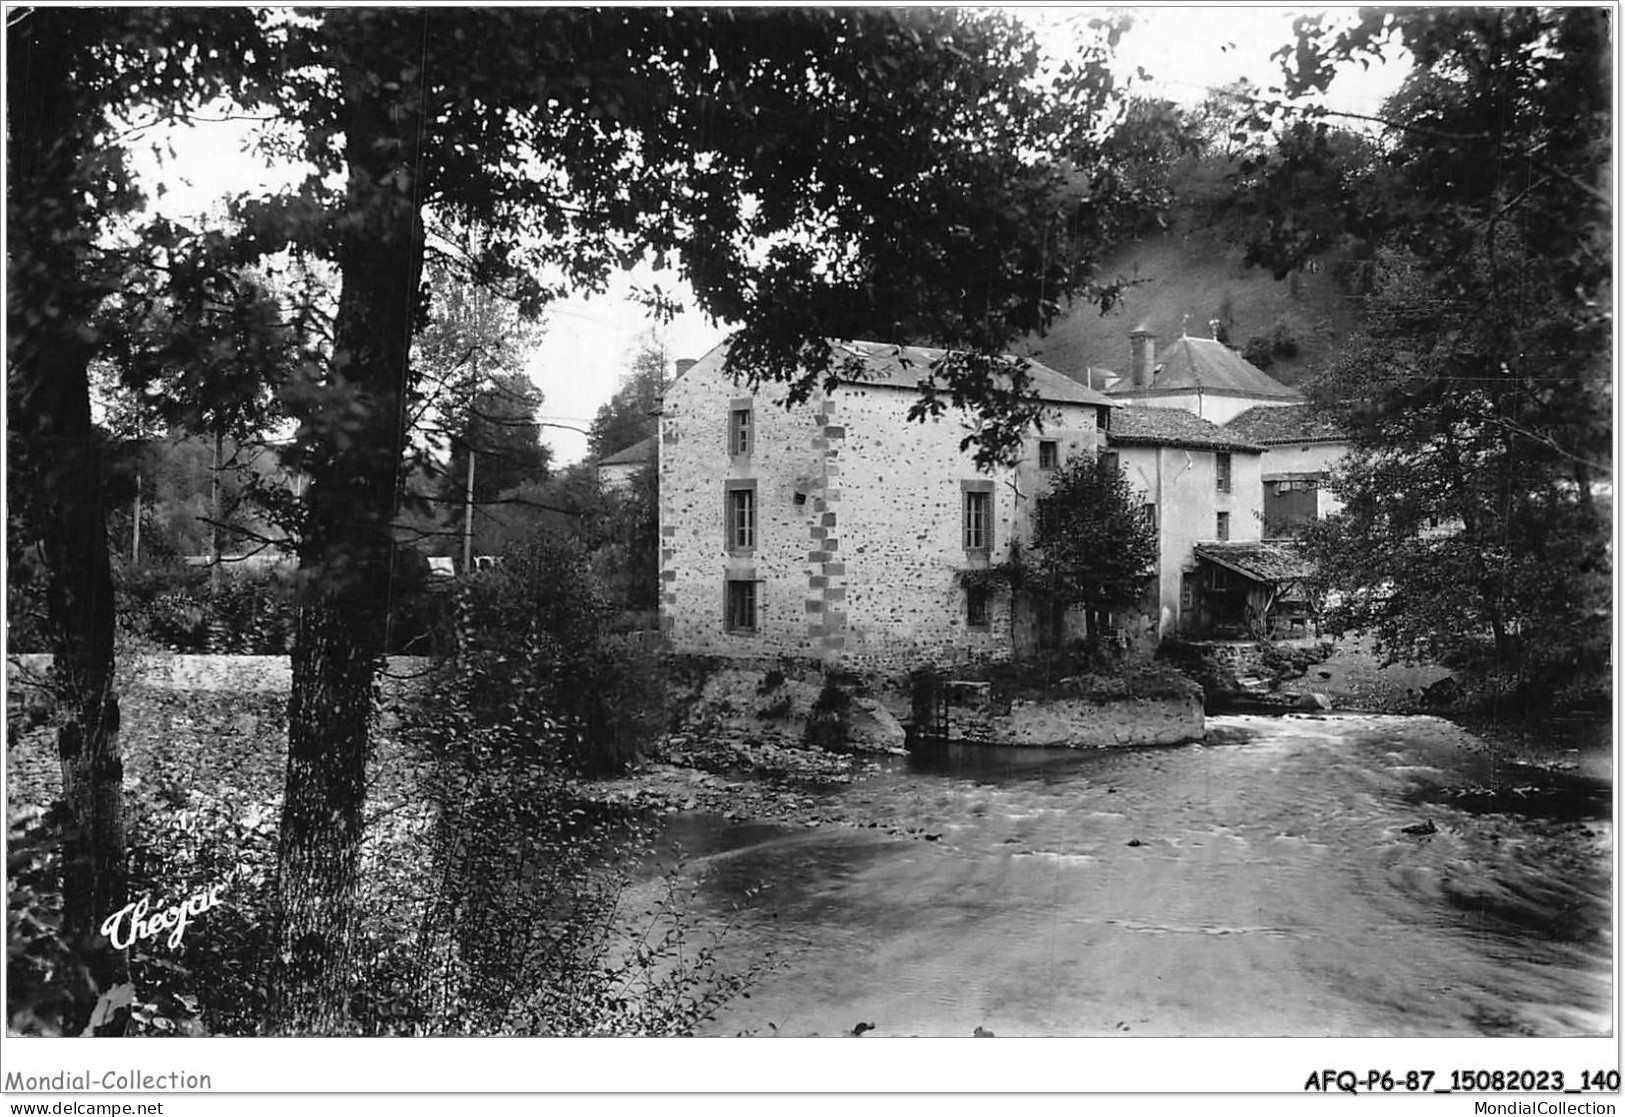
(1341, 875)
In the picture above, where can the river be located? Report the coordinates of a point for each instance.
(1260, 884)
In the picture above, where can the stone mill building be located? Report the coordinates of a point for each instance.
(839, 529)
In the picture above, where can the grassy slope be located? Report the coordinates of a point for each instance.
(1187, 279)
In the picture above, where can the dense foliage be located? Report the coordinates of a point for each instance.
(472, 393)
(1093, 546)
(629, 415)
(534, 648)
(497, 901)
(1478, 392)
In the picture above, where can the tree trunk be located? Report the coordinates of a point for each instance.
(347, 542)
(94, 878)
(58, 485)
(329, 716)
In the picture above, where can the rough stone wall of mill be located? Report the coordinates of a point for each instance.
(860, 531)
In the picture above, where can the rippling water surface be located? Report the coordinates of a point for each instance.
(1262, 884)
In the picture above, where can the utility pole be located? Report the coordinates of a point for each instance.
(135, 519)
(214, 517)
(468, 516)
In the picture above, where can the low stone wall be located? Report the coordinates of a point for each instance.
(1083, 723)
(265, 674)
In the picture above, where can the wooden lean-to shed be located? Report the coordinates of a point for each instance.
(1256, 591)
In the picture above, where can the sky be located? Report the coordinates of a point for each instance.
(589, 343)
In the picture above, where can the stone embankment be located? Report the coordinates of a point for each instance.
(1152, 707)
(1082, 723)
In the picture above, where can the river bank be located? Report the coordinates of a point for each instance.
(1335, 875)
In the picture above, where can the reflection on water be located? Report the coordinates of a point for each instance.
(1346, 876)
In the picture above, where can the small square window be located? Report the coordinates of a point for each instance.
(739, 431)
(1224, 526)
(978, 521)
(739, 613)
(1049, 454)
(978, 607)
(1109, 459)
(1221, 464)
(741, 519)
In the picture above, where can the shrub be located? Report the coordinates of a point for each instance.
(1202, 667)
(186, 840)
(44, 978)
(511, 916)
(175, 607)
(493, 896)
(203, 776)
(497, 892)
(181, 609)
(1262, 350)
(533, 656)
(829, 722)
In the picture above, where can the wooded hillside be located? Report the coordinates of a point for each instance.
(1185, 281)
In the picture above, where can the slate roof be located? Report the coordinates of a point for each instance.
(1172, 426)
(639, 453)
(1269, 425)
(1262, 562)
(904, 366)
(1200, 362)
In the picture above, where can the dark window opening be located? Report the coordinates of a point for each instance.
(740, 611)
(1049, 454)
(1222, 468)
(1224, 526)
(978, 607)
(740, 431)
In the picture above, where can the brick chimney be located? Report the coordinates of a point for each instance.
(1142, 349)
(684, 364)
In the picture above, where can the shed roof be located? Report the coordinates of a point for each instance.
(639, 453)
(1193, 363)
(1262, 562)
(904, 366)
(1172, 426)
(1267, 425)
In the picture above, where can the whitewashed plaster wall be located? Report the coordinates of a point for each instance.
(1183, 483)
